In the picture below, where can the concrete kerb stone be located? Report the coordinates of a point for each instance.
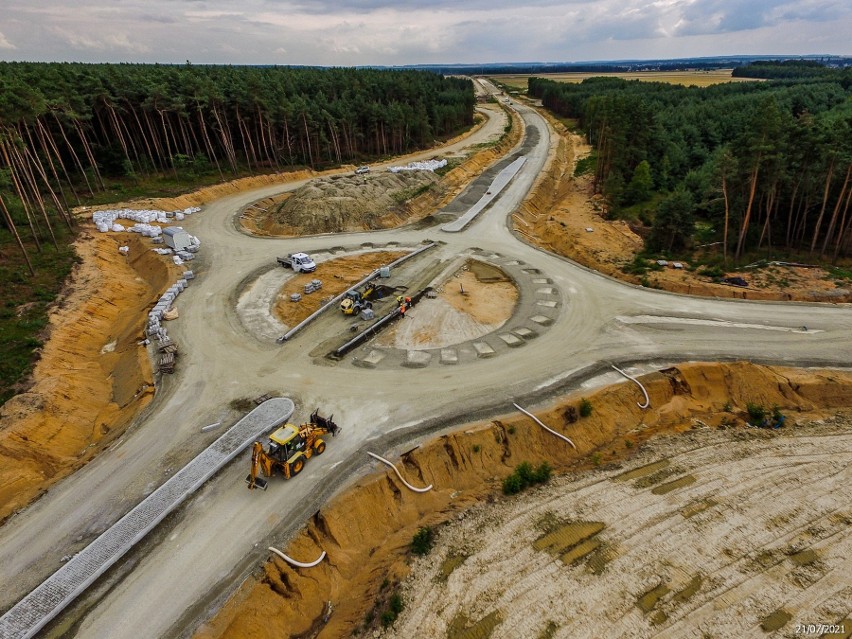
(515, 332)
(48, 599)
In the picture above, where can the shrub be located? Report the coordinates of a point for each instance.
(421, 544)
(628, 443)
(596, 459)
(585, 408)
(476, 448)
(396, 603)
(388, 617)
(756, 412)
(525, 475)
(512, 485)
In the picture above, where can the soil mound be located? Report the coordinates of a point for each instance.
(345, 203)
(92, 377)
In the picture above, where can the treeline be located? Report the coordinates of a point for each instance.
(767, 164)
(788, 70)
(64, 127)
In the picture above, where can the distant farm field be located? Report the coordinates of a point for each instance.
(698, 78)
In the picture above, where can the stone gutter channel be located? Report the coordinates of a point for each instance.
(39, 607)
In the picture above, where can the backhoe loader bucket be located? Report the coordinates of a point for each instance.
(325, 422)
(259, 482)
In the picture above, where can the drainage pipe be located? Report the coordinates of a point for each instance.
(416, 490)
(310, 318)
(540, 423)
(638, 383)
(292, 561)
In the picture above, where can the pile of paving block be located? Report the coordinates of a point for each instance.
(167, 349)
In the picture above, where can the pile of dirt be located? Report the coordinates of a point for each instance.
(563, 215)
(367, 530)
(336, 275)
(347, 203)
(371, 201)
(92, 377)
(474, 301)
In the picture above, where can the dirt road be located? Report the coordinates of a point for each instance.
(177, 577)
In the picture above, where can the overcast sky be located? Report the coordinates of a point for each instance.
(358, 32)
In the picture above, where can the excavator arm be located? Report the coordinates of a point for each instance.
(257, 455)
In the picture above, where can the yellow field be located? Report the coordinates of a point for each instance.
(698, 78)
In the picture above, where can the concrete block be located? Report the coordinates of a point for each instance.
(525, 333)
(547, 303)
(449, 356)
(547, 290)
(372, 359)
(417, 359)
(483, 349)
(541, 319)
(512, 341)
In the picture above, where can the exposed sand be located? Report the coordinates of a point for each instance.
(562, 208)
(778, 493)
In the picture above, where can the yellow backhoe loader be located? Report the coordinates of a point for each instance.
(289, 447)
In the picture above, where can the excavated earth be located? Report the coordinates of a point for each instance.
(376, 200)
(500, 576)
(93, 379)
(346, 203)
(561, 209)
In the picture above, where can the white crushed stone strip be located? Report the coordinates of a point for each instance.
(46, 601)
(694, 321)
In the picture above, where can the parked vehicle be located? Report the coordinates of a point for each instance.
(361, 170)
(299, 262)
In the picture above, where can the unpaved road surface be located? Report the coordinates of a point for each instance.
(178, 576)
(703, 534)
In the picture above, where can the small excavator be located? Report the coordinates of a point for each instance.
(289, 447)
(356, 300)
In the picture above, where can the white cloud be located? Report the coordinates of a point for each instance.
(5, 44)
(357, 32)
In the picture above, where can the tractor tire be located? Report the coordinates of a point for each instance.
(319, 447)
(296, 467)
(368, 305)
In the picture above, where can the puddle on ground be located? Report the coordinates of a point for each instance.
(482, 629)
(565, 537)
(580, 551)
(698, 507)
(599, 559)
(651, 598)
(658, 477)
(776, 620)
(804, 558)
(642, 471)
(450, 564)
(682, 596)
(662, 489)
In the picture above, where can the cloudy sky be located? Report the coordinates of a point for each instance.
(356, 32)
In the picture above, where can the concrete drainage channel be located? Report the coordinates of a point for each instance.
(530, 319)
(39, 607)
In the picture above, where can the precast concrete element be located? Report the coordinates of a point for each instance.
(540, 423)
(35, 610)
(503, 178)
(638, 383)
(409, 486)
(335, 300)
(298, 564)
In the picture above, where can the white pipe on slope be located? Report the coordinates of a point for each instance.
(290, 560)
(539, 422)
(416, 490)
(633, 379)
